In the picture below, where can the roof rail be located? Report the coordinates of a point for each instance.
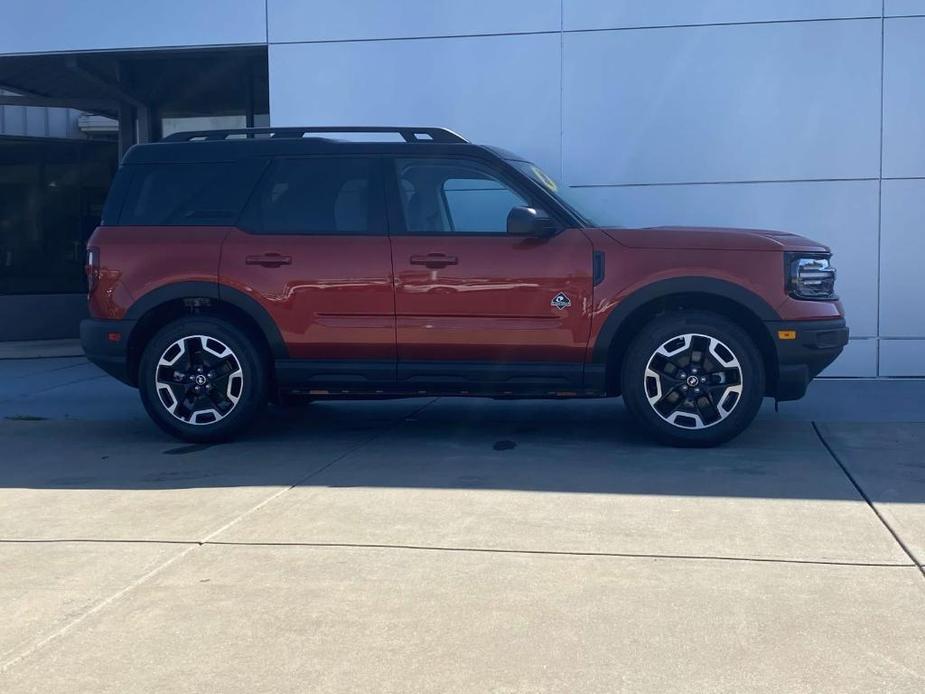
(409, 134)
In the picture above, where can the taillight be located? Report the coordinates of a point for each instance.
(92, 268)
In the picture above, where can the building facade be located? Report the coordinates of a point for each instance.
(53, 181)
(803, 115)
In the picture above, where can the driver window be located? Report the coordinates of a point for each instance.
(451, 195)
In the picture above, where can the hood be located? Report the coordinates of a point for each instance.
(714, 238)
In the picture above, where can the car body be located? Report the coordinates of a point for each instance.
(431, 265)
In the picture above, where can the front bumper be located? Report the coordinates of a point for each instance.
(799, 360)
(99, 344)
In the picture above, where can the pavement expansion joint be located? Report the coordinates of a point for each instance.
(886, 524)
(189, 546)
(482, 550)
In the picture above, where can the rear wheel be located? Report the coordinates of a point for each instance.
(693, 379)
(202, 379)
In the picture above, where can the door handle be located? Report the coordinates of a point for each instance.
(268, 260)
(434, 260)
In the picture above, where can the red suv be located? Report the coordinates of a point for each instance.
(232, 266)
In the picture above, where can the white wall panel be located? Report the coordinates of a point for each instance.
(902, 279)
(499, 90)
(36, 125)
(904, 97)
(745, 102)
(841, 214)
(60, 122)
(14, 120)
(612, 14)
(37, 26)
(903, 7)
(902, 357)
(858, 360)
(327, 20)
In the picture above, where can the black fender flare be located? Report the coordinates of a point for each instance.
(219, 292)
(676, 285)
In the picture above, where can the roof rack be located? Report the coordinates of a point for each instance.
(409, 134)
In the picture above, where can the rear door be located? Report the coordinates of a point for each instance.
(312, 248)
(474, 305)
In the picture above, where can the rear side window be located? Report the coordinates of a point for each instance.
(318, 195)
(116, 196)
(202, 194)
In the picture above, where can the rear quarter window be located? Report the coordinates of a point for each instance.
(112, 208)
(201, 194)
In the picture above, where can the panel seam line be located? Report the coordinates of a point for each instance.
(588, 30)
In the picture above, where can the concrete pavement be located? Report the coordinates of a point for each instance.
(457, 545)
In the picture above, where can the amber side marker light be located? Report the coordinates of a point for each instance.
(786, 334)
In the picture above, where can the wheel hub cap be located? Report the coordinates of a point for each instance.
(199, 379)
(693, 381)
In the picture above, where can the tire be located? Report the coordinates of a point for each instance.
(693, 379)
(216, 357)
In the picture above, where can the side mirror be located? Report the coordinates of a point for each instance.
(527, 221)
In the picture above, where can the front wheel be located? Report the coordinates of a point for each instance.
(202, 379)
(693, 378)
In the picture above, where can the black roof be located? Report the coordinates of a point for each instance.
(227, 145)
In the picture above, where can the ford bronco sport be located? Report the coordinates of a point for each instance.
(234, 266)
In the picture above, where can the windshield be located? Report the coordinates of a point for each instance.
(563, 194)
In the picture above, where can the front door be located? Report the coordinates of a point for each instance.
(474, 305)
(313, 250)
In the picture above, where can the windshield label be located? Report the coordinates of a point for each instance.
(544, 179)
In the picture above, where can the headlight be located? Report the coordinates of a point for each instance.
(810, 276)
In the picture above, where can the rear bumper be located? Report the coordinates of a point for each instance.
(111, 355)
(800, 360)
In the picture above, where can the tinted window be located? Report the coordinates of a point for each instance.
(51, 198)
(317, 195)
(454, 195)
(188, 194)
(116, 196)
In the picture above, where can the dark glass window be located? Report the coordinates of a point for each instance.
(454, 195)
(116, 197)
(51, 198)
(203, 194)
(318, 195)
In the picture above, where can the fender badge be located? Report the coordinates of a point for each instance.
(560, 301)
